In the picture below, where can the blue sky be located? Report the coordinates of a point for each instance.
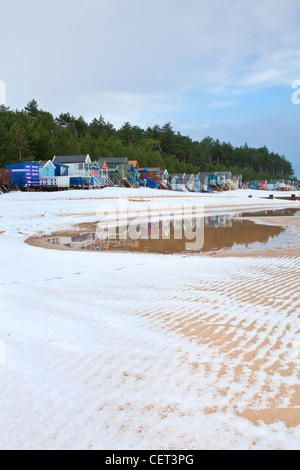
(222, 68)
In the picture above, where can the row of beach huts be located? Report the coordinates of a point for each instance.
(80, 172)
(273, 185)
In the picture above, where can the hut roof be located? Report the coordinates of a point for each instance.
(69, 159)
(113, 161)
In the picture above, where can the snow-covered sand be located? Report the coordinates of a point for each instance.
(141, 351)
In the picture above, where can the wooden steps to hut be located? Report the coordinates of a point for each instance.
(216, 187)
(127, 183)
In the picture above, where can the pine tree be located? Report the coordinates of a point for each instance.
(32, 109)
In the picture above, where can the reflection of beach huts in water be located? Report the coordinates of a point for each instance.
(218, 221)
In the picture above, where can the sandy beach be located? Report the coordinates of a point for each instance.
(146, 351)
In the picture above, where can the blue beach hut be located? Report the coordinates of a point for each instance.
(24, 174)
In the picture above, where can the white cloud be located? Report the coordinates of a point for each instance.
(153, 46)
(129, 106)
(128, 59)
(148, 53)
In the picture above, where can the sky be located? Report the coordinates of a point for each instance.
(229, 69)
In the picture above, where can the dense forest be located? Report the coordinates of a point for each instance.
(33, 134)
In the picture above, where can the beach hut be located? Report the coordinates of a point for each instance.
(61, 170)
(47, 173)
(78, 165)
(206, 179)
(263, 185)
(165, 176)
(47, 170)
(221, 179)
(175, 181)
(5, 179)
(203, 178)
(120, 164)
(24, 174)
(154, 173)
(143, 172)
(143, 176)
(94, 170)
(131, 174)
(100, 175)
(237, 181)
(41, 165)
(164, 181)
(184, 179)
(229, 180)
(190, 182)
(103, 173)
(135, 164)
(62, 175)
(197, 183)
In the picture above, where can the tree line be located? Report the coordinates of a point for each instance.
(33, 135)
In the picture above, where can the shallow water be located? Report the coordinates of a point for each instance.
(212, 233)
(276, 213)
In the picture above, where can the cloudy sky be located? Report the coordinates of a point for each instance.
(219, 68)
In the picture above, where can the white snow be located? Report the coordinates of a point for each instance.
(94, 353)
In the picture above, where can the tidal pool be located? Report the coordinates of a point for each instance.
(203, 234)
